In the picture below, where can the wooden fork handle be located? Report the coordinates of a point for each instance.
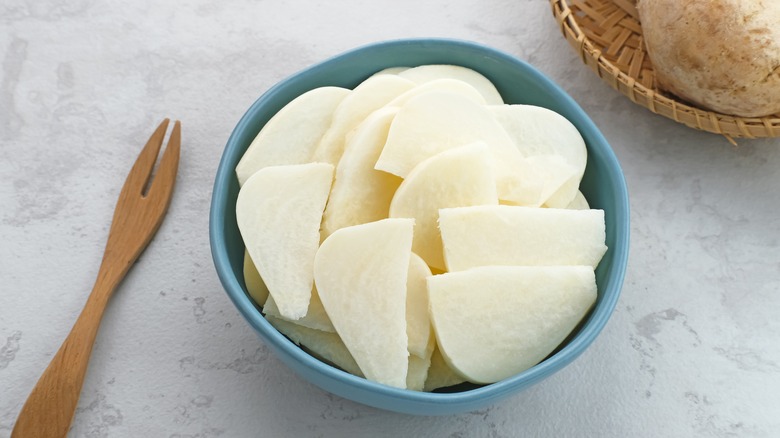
(49, 409)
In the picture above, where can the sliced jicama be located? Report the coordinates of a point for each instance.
(538, 131)
(367, 97)
(360, 193)
(418, 323)
(278, 211)
(496, 321)
(390, 71)
(361, 274)
(432, 148)
(436, 121)
(254, 282)
(325, 345)
(524, 236)
(418, 372)
(579, 202)
(440, 375)
(559, 180)
(292, 134)
(315, 318)
(448, 85)
(426, 73)
(457, 177)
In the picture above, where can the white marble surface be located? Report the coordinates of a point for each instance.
(692, 349)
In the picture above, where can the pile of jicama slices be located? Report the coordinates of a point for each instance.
(417, 231)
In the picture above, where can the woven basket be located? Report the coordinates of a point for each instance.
(607, 36)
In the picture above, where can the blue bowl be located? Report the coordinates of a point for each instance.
(603, 185)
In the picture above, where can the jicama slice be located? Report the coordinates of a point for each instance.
(361, 273)
(324, 345)
(292, 135)
(370, 95)
(431, 72)
(538, 131)
(316, 317)
(440, 375)
(360, 193)
(437, 121)
(278, 211)
(521, 236)
(493, 322)
(254, 282)
(418, 323)
(457, 177)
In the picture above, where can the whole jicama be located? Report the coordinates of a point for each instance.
(722, 55)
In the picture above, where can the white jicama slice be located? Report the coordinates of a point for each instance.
(361, 272)
(526, 187)
(559, 180)
(418, 372)
(449, 85)
(538, 131)
(360, 193)
(292, 134)
(426, 73)
(562, 197)
(579, 202)
(370, 95)
(315, 318)
(390, 71)
(436, 121)
(324, 345)
(521, 236)
(440, 375)
(458, 177)
(254, 282)
(418, 324)
(517, 316)
(278, 211)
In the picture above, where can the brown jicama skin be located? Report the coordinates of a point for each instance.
(723, 55)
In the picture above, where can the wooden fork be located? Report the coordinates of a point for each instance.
(139, 212)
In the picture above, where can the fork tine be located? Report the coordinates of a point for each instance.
(142, 168)
(162, 185)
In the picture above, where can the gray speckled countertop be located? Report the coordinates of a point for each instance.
(692, 349)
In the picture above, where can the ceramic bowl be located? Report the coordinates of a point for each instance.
(518, 82)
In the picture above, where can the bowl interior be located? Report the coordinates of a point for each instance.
(602, 184)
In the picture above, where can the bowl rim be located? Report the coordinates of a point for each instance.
(575, 346)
